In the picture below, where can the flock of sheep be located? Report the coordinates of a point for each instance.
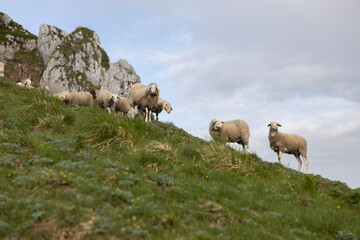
(145, 100)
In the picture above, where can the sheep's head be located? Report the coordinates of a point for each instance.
(152, 89)
(27, 82)
(216, 124)
(274, 125)
(113, 99)
(167, 107)
(63, 97)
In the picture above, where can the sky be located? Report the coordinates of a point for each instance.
(295, 62)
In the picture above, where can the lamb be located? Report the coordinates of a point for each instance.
(25, 83)
(160, 105)
(123, 105)
(144, 97)
(231, 131)
(1, 69)
(288, 143)
(106, 99)
(79, 98)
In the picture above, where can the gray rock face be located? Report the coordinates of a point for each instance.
(49, 38)
(78, 63)
(120, 77)
(73, 62)
(17, 38)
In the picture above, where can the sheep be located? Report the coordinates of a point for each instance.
(106, 99)
(144, 97)
(160, 105)
(1, 69)
(61, 95)
(25, 83)
(79, 98)
(231, 131)
(288, 143)
(123, 105)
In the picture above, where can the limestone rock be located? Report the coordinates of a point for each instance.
(13, 37)
(63, 62)
(18, 51)
(49, 38)
(120, 77)
(77, 64)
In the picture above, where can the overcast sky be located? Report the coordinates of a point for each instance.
(295, 62)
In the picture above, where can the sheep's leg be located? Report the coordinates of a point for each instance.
(279, 156)
(306, 164)
(245, 148)
(150, 115)
(299, 162)
(109, 111)
(146, 114)
(157, 117)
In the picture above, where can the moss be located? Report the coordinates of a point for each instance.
(105, 60)
(18, 31)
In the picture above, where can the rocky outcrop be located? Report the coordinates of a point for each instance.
(120, 77)
(49, 38)
(63, 62)
(77, 64)
(18, 51)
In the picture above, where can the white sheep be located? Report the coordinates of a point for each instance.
(25, 83)
(123, 105)
(288, 143)
(61, 95)
(1, 69)
(160, 105)
(106, 99)
(144, 97)
(79, 98)
(231, 131)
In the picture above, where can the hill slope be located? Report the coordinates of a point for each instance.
(69, 172)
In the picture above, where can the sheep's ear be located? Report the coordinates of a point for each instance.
(269, 124)
(171, 108)
(279, 124)
(222, 122)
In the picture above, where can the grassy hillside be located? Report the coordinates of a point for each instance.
(69, 172)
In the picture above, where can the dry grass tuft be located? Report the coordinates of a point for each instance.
(46, 122)
(221, 157)
(162, 148)
(108, 135)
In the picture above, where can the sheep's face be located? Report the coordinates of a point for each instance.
(153, 89)
(113, 99)
(216, 124)
(167, 107)
(27, 82)
(63, 97)
(274, 125)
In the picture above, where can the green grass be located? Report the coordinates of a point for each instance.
(77, 172)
